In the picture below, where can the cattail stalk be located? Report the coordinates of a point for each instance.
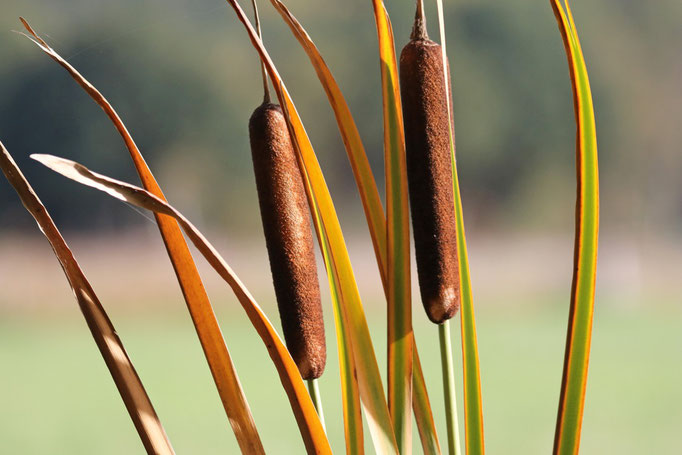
(314, 390)
(428, 133)
(448, 370)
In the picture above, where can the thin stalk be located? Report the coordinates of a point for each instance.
(449, 388)
(314, 390)
(266, 89)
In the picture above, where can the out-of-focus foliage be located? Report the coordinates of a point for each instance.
(195, 61)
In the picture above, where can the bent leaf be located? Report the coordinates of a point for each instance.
(111, 348)
(337, 262)
(574, 381)
(301, 403)
(201, 311)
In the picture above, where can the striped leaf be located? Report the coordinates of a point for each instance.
(400, 339)
(422, 410)
(473, 411)
(572, 401)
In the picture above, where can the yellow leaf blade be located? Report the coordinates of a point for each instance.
(364, 178)
(422, 410)
(473, 407)
(400, 356)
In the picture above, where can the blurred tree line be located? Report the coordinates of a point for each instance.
(185, 79)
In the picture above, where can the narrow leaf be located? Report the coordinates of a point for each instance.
(110, 346)
(574, 382)
(201, 311)
(352, 417)
(473, 407)
(368, 376)
(422, 410)
(301, 403)
(400, 337)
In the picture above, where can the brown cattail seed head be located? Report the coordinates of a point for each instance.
(429, 173)
(286, 223)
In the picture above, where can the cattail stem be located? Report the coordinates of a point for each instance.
(264, 74)
(449, 388)
(314, 390)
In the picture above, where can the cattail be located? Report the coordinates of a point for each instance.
(286, 223)
(429, 172)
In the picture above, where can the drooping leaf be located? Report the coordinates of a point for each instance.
(473, 408)
(301, 403)
(125, 377)
(574, 382)
(201, 311)
(338, 263)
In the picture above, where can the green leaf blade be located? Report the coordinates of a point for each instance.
(400, 338)
(578, 340)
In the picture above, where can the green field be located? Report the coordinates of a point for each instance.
(57, 396)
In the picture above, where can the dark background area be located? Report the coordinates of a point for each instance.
(185, 79)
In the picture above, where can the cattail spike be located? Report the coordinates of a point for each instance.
(429, 172)
(264, 74)
(419, 26)
(288, 236)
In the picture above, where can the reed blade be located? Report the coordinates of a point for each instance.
(299, 398)
(400, 337)
(422, 410)
(111, 348)
(473, 407)
(201, 311)
(578, 339)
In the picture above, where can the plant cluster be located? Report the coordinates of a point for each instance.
(421, 173)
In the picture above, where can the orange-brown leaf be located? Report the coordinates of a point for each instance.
(205, 322)
(110, 346)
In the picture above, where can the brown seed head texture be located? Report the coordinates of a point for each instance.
(288, 236)
(429, 172)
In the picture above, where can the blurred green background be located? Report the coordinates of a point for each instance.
(185, 79)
